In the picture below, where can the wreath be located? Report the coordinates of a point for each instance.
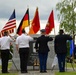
(11, 52)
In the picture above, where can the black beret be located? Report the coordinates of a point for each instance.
(42, 30)
(61, 31)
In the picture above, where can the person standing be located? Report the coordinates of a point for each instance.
(60, 45)
(41, 46)
(5, 50)
(22, 44)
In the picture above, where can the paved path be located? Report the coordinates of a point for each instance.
(49, 72)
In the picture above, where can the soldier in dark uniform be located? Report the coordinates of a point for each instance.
(61, 48)
(41, 46)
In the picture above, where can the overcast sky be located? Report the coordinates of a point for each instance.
(20, 6)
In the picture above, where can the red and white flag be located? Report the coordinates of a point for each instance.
(50, 23)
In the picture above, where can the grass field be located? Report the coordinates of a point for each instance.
(56, 73)
(70, 66)
(9, 66)
(68, 73)
(65, 73)
(9, 74)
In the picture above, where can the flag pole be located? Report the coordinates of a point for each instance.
(54, 24)
(54, 28)
(54, 31)
(16, 25)
(29, 16)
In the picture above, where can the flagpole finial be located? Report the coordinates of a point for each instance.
(27, 6)
(37, 8)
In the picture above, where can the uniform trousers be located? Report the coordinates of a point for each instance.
(61, 61)
(4, 59)
(24, 54)
(43, 61)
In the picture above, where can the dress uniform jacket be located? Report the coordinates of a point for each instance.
(42, 43)
(60, 43)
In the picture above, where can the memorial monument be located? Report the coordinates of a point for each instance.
(33, 56)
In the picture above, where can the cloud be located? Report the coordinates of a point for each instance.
(20, 6)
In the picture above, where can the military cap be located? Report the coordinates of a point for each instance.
(42, 30)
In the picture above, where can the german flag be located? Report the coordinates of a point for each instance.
(24, 23)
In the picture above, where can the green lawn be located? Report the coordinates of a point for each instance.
(65, 73)
(70, 66)
(9, 74)
(56, 73)
(9, 66)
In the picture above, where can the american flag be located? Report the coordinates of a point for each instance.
(10, 25)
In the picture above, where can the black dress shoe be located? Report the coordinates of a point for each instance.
(5, 72)
(62, 71)
(24, 72)
(41, 71)
(45, 71)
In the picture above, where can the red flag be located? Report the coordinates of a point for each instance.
(10, 25)
(24, 23)
(50, 24)
(35, 25)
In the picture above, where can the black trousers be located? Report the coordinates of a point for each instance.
(24, 54)
(4, 59)
(61, 62)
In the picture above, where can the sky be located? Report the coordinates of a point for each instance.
(44, 7)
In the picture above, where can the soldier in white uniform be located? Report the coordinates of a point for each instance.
(22, 44)
(5, 47)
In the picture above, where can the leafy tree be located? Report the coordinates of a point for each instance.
(67, 16)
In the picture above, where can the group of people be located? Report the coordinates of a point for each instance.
(41, 46)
